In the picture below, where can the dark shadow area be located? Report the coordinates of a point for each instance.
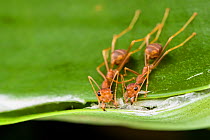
(44, 108)
(45, 130)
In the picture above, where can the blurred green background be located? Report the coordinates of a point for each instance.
(50, 47)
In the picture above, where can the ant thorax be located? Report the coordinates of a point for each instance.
(140, 79)
(105, 84)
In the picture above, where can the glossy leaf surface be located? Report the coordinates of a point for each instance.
(48, 48)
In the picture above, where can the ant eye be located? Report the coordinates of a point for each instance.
(125, 88)
(112, 92)
(136, 88)
(99, 94)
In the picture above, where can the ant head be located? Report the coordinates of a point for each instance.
(105, 95)
(131, 91)
(118, 56)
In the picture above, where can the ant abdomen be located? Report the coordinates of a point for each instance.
(153, 50)
(118, 56)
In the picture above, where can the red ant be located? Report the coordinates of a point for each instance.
(152, 51)
(118, 57)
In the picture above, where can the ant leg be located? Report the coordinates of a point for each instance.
(125, 74)
(142, 92)
(104, 53)
(181, 44)
(179, 31)
(146, 60)
(129, 54)
(123, 89)
(162, 23)
(142, 39)
(147, 83)
(123, 83)
(127, 69)
(131, 45)
(112, 80)
(133, 42)
(105, 56)
(146, 40)
(103, 106)
(91, 80)
(115, 37)
(99, 71)
(115, 92)
(157, 28)
(125, 97)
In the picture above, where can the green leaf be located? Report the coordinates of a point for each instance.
(184, 112)
(48, 48)
(188, 115)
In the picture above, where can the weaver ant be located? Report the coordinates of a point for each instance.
(153, 51)
(118, 57)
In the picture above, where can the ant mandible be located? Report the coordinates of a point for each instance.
(152, 51)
